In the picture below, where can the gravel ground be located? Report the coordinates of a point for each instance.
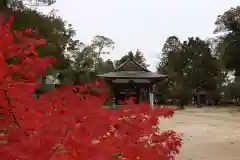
(209, 133)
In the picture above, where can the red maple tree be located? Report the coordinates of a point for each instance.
(69, 123)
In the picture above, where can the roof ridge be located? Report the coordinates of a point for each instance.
(122, 65)
(131, 59)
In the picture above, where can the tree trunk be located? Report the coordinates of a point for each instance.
(180, 104)
(4, 11)
(3, 4)
(198, 101)
(237, 81)
(77, 77)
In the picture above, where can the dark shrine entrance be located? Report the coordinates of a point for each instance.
(130, 79)
(130, 88)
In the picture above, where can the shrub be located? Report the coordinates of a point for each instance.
(69, 123)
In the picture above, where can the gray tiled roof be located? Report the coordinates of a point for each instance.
(134, 80)
(132, 74)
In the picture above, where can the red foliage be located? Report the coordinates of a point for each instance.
(68, 124)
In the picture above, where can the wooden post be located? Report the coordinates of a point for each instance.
(151, 98)
(137, 94)
(114, 102)
(198, 100)
(113, 99)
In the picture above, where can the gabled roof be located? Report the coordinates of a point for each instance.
(131, 61)
(131, 69)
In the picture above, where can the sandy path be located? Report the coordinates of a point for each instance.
(209, 134)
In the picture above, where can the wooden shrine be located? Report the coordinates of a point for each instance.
(130, 79)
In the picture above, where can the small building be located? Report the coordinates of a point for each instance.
(199, 96)
(130, 79)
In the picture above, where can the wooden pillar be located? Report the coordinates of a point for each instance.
(137, 95)
(114, 98)
(151, 98)
(113, 92)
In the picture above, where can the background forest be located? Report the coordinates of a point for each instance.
(195, 67)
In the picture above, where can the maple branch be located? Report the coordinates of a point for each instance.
(59, 145)
(9, 104)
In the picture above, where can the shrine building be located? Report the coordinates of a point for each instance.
(130, 79)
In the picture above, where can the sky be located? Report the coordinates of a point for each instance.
(141, 24)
